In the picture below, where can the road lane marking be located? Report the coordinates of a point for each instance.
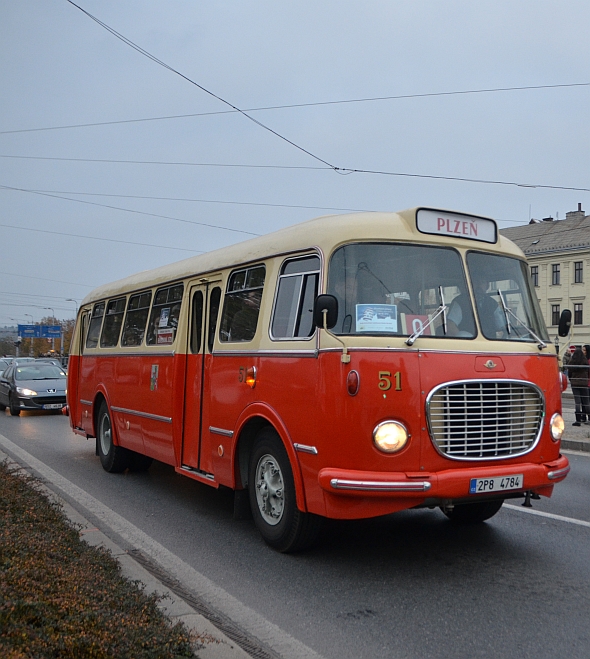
(253, 623)
(559, 518)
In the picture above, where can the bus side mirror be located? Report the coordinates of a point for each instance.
(565, 321)
(328, 303)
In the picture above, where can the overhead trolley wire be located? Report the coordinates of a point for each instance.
(341, 170)
(372, 99)
(145, 53)
(108, 240)
(130, 210)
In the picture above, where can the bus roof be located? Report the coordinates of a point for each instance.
(326, 233)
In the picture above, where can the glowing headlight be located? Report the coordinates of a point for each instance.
(390, 436)
(26, 392)
(557, 426)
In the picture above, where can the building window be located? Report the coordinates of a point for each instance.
(555, 314)
(578, 314)
(555, 274)
(578, 272)
(535, 274)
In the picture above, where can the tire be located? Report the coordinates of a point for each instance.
(113, 458)
(14, 408)
(474, 513)
(272, 497)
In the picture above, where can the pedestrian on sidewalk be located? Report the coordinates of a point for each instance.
(578, 375)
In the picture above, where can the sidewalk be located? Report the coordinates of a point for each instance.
(574, 438)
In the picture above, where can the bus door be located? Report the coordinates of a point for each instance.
(205, 299)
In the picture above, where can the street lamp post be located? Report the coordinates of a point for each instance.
(52, 320)
(32, 338)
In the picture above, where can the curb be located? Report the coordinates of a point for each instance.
(210, 642)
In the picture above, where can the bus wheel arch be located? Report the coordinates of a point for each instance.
(272, 494)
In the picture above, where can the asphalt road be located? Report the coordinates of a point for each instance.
(409, 585)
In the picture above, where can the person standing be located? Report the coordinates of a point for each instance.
(578, 375)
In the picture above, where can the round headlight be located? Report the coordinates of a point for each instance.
(557, 426)
(390, 436)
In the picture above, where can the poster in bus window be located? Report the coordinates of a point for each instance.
(376, 318)
(164, 315)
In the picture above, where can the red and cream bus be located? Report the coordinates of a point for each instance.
(347, 367)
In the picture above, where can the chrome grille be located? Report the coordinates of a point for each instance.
(485, 420)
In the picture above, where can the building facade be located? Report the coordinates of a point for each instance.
(558, 252)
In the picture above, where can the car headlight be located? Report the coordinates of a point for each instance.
(390, 436)
(556, 426)
(26, 392)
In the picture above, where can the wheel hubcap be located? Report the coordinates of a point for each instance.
(270, 490)
(105, 435)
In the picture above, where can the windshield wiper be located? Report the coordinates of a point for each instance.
(508, 312)
(441, 310)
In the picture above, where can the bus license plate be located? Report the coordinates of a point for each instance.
(53, 406)
(496, 484)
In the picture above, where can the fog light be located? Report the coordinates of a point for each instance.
(390, 436)
(557, 426)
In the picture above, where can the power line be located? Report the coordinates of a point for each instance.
(154, 59)
(54, 281)
(109, 240)
(341, 170)
(372, 99)
(201, 201)
(129, 210)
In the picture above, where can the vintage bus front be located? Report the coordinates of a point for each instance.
(438, 386)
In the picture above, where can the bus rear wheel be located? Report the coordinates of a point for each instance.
(272, 497)
(113, 458)
(473, 513)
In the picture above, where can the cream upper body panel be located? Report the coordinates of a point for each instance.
(325, 233)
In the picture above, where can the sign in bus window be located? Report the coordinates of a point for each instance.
(164, 316)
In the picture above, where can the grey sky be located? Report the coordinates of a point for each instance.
(60, 68)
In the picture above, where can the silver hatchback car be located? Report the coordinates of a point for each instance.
(32, 386)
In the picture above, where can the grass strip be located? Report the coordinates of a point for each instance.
(59, 597)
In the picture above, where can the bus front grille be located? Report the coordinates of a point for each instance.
(485, 420)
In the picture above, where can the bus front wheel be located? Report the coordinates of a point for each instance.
(272, 497)
(113, 458)
(473, 513)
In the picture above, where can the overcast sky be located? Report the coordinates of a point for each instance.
(93, 219)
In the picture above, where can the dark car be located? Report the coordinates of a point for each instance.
(51, 360)
(32, 386)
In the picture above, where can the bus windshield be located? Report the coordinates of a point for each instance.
(396, 289)
(506, 306)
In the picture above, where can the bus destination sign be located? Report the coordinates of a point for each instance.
(454, 225)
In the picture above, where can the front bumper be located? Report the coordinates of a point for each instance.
(450, 484)
(46, 403)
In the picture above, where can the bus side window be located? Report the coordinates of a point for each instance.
(83, 329)
(242, 304)
(164, 317)
(136, 319)
(197, 322)
(214, 300)
(113, 321)
(95, 325)
(296, 291)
